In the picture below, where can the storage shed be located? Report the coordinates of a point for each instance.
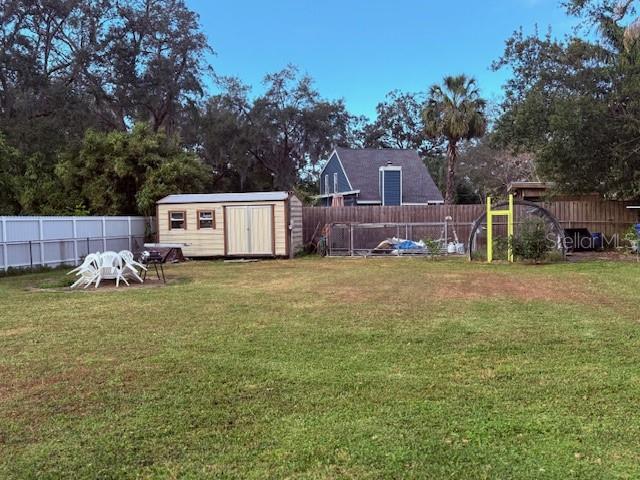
(257, 224)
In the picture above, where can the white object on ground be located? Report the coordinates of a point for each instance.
(455, 247)
(110, 267)
(130, 265)
(87, 271)
(87, 274)
(88, 260)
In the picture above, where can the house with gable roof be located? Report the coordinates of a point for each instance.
(370, 176)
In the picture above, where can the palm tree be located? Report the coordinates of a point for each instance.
(454, 111)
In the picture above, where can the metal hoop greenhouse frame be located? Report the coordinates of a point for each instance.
(540, 211)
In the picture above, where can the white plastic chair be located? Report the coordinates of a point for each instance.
(127, 256)
(91, 258)
(87, 276)
(87, 271)
(110, 267)
(130, 265)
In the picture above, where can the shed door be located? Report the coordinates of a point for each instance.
(249, 230)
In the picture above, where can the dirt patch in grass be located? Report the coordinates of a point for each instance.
(77, 391)
(11, 332)
(608, 255)
(471, 286)
(478, 285)
(109, 285)
(38, 387)
(388, 282)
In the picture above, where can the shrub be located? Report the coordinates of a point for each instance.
(500, 247)
(531, 242)
(433, 247)
(631, 234)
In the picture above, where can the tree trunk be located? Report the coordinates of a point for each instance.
(452, 155)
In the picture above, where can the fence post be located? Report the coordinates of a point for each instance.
(5, 252)
(76, 258)
(40, 228)
(446, 233)
(88, 246)
(104, 234)
(31, 254)
(130, 239)
(351, 239)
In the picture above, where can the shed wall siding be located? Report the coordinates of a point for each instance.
(207, 242)
(297, 241)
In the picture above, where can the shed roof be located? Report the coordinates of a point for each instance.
(361, 166)
(224, 197)
(529, 185)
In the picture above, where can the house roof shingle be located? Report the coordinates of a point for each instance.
(361, 166)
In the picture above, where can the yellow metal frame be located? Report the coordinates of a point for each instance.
(509, 213)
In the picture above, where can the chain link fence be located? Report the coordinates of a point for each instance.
(379, 239)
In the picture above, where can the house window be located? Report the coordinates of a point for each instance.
(326, 184)
(335, 183)
(206, 219)
(177, 220)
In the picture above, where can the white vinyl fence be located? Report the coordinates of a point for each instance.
(53, 241)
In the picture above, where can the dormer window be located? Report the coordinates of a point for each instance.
(390, 184)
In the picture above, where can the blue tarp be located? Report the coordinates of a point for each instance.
(408, 245)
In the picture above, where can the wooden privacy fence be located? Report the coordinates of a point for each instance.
(607, 217)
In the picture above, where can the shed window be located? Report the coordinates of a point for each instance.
(335, 183)
(177, 220)
(326, 184)
(206, 219)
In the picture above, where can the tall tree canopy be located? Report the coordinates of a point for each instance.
(9, 158)
(487, 170)
(288, 129)
(125, 173)
(575, 103)
(221, 134)
(399, 124)
(70, 65)
(67, 66)
(455, 111)
(82, 81)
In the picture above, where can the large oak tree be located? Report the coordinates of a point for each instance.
(575, 103)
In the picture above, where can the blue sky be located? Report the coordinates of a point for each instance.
(359, 50)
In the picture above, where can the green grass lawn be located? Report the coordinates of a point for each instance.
(325, 368)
